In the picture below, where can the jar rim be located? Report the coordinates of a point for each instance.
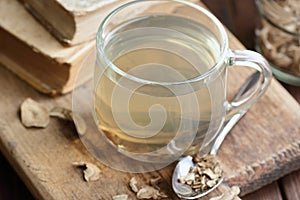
(266, 8)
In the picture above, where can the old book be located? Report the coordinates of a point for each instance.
(32, 53)
(72, 22)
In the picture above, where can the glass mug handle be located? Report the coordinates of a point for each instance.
(255, 61)
(238, 107)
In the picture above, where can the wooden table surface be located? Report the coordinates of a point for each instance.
(11, 187)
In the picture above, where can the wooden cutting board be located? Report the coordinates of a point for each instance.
(264, 146)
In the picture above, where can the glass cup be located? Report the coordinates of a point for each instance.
(160, 81)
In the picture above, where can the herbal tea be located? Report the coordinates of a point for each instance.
(142, 113)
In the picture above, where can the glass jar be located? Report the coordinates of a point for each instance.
(278, 37)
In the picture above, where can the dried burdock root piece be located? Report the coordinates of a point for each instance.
(133, 185)
(154, 182)
(120, 197)
(62, 113)
(228, 195)
(204, 175)
(34, 114)
(91, 172)
(149, 192)
(66, 114)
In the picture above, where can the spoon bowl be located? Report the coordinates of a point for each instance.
(182, 190)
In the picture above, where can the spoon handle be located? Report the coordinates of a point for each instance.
(226, 129)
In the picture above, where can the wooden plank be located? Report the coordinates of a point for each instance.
(231, 16)
(291, 186)
(235, 15)
(261, 148)
(270, 191)
(294, 91)
(269, 118)
(221, 9)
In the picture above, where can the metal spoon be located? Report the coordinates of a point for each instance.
(183, 166)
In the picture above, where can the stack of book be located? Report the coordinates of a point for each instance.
(45, 41)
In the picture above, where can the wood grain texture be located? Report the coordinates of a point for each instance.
(239, 16)
(269, 192)
(261, 148)
(291, 186)
(266, 159)
(237, 20)
(294, 91)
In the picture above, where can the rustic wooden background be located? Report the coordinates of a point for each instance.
(240, 17)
